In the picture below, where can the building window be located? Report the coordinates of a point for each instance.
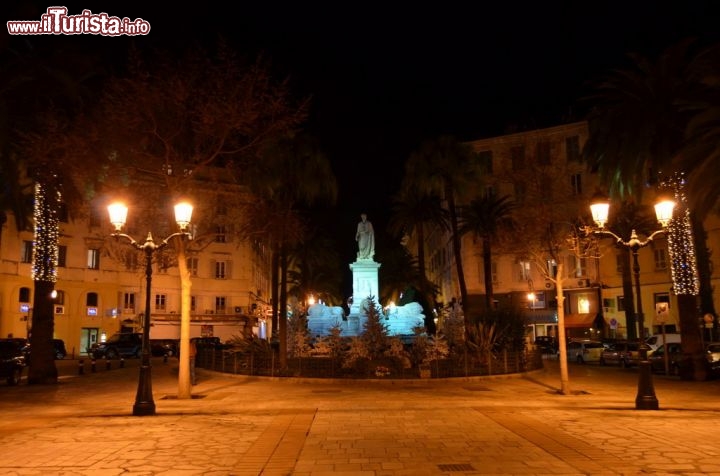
(577, 266)
(576, 184)
(160, 302)
(193, 303)
(192, 264)
(131, 260)
(621, 303)
(220, 234)
(572, 148)
(59, 297)
(129, 302)
(221, 269)
(494, 271)
(517, 157)
(93, 259)
(91, 299)
(62, 256)
(220, 305)
(552, 268)
(660, 259)
(485, 161)
(24, 295)
(524, 274)
(26, 252)
(542, 150)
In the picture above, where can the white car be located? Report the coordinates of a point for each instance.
(582, 351)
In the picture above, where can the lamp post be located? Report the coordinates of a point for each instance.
(645, 399)
(144, 404)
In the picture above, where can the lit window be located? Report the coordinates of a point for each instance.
(160, 302)
(192, 264)
(93, 259)
(129, 301)
(524, 274)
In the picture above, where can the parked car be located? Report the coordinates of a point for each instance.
(161, 347)
(624, 354)
(657, 358)
(656, 340)
(547, 344)
(582, 351)
(712, 354)
(122, 344)
(12, 361)
(59, 349)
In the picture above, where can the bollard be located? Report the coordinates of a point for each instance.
(107, 364)
(122, 362)
(165, 357)
(81, 367)
(93, 369)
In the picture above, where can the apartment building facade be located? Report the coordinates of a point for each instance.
(101, 282)
(543, 173)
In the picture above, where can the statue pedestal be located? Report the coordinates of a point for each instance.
(365, 285)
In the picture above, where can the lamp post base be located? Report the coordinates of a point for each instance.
(646, 399)
(144, 403)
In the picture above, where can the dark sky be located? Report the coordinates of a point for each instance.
(384, 76)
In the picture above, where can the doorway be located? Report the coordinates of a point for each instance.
(88, 337)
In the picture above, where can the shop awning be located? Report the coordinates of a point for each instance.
(580, 320)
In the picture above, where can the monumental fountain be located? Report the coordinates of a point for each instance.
(399, 320)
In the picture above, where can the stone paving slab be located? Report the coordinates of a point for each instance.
(254, 426)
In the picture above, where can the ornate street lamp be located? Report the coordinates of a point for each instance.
(600, 206)
(144, 404)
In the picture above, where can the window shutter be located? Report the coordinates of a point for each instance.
(228, 269)
(213, 269)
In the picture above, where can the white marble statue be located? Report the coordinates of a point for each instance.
(365, 237)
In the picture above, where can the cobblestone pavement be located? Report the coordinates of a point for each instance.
(253, 426)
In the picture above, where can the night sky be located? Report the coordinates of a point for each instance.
(384, 77)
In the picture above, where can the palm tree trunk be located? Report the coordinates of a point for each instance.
(282, 311)
(693, 367)
(487, 271)
(47, 203)
(274, 285)
(707, 304)
(421, 253)
(457, 251)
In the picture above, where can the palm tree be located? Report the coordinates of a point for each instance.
(637, 125)
(447, 168)
(487, 218)
(292, 172)
(412, 212)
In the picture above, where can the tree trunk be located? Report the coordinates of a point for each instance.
(42, 360)
(487, 271)
(562, 340)
(184, 383)
(282, 311)
(457, 252)
(628, 295)
(693, 361)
